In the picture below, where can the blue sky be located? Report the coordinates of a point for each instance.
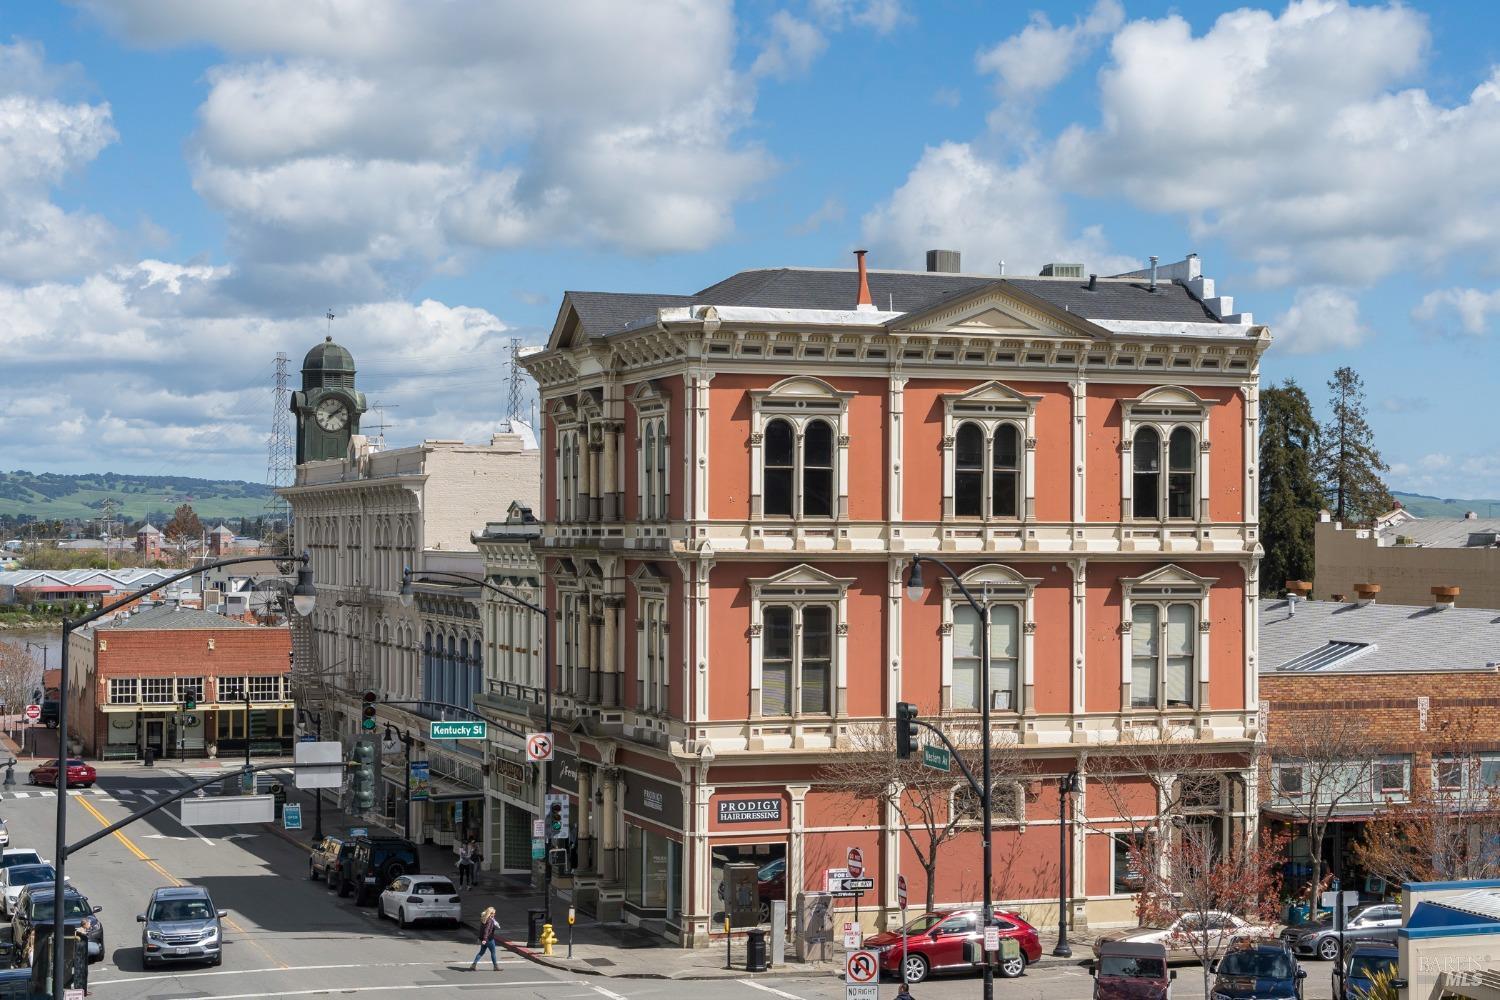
(188, 186)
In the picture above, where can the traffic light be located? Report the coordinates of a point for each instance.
(367, 714)
(189, 700)
(906, 729)
(557, 857)
(362, 783)
(555, 819)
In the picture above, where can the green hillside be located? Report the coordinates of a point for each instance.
(1426, 506)
(48, 495)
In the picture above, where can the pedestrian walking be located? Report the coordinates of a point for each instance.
(476, 858)
(465, 865)
(488, 932)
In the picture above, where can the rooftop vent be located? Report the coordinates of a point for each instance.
(1062, 270)
(1444, 598)
(943, 261)
(1331, 654)
(1365, 593)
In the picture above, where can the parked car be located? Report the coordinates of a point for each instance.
(373, 862)
(1362, 964)
(181, 925)
(80, 773)
(33, 915)
(1125, 970)
(1184, 936)
(19, 856)
(1258, 970)
(17, 877)
(411, 898)
(4, 834)
(935, 943)
(1318, 936)
(326, 857)
(50, 713)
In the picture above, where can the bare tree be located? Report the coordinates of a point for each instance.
(20, 675)
(1206, 881)
(934, 806)
(1445, 830)
(1320, 760)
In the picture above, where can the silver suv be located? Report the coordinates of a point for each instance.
(181, 926)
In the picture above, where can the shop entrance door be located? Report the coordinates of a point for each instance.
(156, 736)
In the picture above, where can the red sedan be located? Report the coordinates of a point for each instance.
(935, 943)
(80, 773)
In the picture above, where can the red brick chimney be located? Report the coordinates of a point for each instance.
(864, 302)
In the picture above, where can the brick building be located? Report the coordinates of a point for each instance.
(736, 481)
(1425, 683)
(133, 674)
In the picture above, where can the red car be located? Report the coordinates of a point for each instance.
(935, 943)
(79, 773)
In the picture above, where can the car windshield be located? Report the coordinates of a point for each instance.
(171, 910)
(1370, 966)
(41, 909)
(1260, 964)
(20, 858)
(32, 874)
(923, 924)
(1133, 967)
(75, 763)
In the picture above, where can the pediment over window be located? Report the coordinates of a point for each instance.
(647, 398)
(802, 578)
(800, 388)
(649, 579)
(1000, 308)
(1170, 580)
(991, 394)
(991, 580)
(1170, 400)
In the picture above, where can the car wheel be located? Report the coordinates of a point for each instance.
(401, 918)
(217, 960)
(1328, 949)
(1011, 968)
(312, 873)
(394, 870)
(915, 968)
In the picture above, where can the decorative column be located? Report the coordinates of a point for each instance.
(796, 860)
(608, 842)
(586, 861)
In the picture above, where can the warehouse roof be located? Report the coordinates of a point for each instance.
(1328, 637)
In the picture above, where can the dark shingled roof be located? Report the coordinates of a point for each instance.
(604, 313)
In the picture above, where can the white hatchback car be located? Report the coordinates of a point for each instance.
(17, 877)
(411, 898)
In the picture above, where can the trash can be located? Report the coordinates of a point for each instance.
(534, 921)
(149, 757)
(755, 950)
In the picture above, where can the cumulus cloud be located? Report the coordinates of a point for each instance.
(955, 198)
(793, 46)
(880, 16)
(1041, 55)
(828, 213)
(1319, 319)
(358, 147)
(1457, 310)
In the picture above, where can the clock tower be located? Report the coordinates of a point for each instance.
(328, 408)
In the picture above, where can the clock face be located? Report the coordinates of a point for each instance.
(332, 414)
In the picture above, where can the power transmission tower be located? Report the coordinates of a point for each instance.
(281, 448)
(513, 407)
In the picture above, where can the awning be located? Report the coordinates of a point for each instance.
(439, 788)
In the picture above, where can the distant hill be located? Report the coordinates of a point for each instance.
(49, 495)
(1426, 506)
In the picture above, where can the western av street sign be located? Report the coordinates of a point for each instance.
(937, 758)
(457, 730)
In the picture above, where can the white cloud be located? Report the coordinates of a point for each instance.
(880, 16)
(1320, 318)
(1470, 307)
(1297, 140)
(956, 199)
(356, 147)
(1041, 55)
(828, 213)
(793, 46)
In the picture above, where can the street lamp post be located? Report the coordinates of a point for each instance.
(304, 594)
(407, 596)
(915, 590)
(1066, 786)
(407, 740)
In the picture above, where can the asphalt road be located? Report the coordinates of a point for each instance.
(289, 937)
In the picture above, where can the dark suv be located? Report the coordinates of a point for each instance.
(327, 857)
(33, 916)
(1261, 969)
(375, 862)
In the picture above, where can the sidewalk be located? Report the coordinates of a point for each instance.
(617, 950)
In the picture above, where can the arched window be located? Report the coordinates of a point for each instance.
(661, 470)
(780, 468)
(649, 463)
(1005, 472)
(968, 474)
(1182, 461)
(817, 469)
(1146, 463)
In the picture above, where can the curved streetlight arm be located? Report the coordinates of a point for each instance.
(70, 625)
(953, 575)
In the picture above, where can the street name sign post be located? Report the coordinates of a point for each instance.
(937, 758)
(437, 730)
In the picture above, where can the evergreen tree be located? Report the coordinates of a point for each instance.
(1349, 467)
(1289, 494)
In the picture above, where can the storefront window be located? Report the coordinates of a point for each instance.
(646, 870)
(770, 875)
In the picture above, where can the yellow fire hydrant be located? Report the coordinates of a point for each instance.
(548, 939)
